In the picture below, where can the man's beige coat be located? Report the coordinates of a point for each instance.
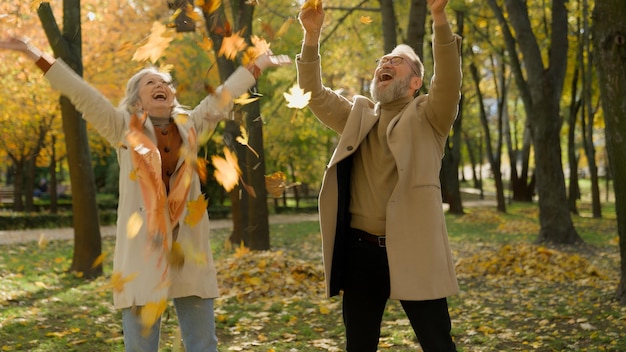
(421, 265)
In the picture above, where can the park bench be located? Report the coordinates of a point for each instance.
(6, 195)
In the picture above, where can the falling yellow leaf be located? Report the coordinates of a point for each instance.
(296, 98)
(209, 6)
(195, 210)
(232, 45)
(275, 183)
(227, 171)
(134, 224)
(176, 256)
(43, 241)
(158, 41)
(206, 44)
(150, 313)
(117, 281)
(99, 260)
(366, 19)
(201, 169)
(283, 29)
(34, 4)
(244, 140)
(245, 99)
(311, 4)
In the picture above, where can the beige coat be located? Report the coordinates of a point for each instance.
(421, 266)
(150, 278)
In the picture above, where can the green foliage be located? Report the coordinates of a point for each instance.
(44, 220)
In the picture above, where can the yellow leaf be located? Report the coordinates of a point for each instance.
(366, 19)
(283, 29)
(150, 313)
(324, 309)
(227, 171)
(209, 6)
(241, 251)
(158, 41)
(134, 225)
(244, 139)
(176, 256)
(232, 45)
(206, 44)
(296, 98)
(245, 99)
(99, 260)
(195, 210)
(275, 183)
(311, 4)
(43, 241)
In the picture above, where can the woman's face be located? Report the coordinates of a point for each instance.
(156, 95)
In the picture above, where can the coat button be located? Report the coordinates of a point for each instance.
(167, 149)
(164, 132)
(350, 148)
(169, 172)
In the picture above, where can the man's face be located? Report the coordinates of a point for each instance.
(394, 78)
(156, 95)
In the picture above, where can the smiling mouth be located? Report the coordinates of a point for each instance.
(385, 77)
(159, 96)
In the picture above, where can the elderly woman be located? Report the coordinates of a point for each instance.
(162, 247)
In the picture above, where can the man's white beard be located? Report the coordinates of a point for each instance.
(397, 89)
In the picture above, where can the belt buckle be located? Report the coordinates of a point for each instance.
(381, 241)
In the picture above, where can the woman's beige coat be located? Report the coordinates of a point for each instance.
(421, 266)
(150, 279)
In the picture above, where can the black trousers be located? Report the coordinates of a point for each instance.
(366, 291)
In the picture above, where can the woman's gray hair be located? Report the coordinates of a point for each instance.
(129, 102)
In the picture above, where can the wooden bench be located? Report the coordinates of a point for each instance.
(6, 195)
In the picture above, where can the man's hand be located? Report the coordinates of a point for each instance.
(311, 18)
(437, 9)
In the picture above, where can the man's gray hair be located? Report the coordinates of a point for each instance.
(407, 51)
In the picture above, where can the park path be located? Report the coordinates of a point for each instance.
(18, 236)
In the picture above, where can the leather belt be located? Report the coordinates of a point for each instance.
(379, 241)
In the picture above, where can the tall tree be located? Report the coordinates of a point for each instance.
(609, 40)
(542, 89)
(66, 45)
(249, 211)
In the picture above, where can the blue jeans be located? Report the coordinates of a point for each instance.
(196, 321)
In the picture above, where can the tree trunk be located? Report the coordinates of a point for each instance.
(249, 213)
(541, 94)
(389, 25)
(87, 239)
(610, 47)
(449, 174)
(416, 28)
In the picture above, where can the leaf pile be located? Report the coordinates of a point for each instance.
(268, 274)
(528, 260)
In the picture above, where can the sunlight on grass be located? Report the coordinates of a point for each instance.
(515, 295)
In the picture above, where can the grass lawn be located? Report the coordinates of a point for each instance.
(515, 296)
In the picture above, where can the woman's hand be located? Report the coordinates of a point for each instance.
(21, 45)
(268, 60)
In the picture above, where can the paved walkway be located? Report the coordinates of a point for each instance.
(15, 236)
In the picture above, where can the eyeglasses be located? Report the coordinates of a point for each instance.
(395, 61)
(392, 60)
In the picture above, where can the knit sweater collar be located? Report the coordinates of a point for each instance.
(396, 105)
